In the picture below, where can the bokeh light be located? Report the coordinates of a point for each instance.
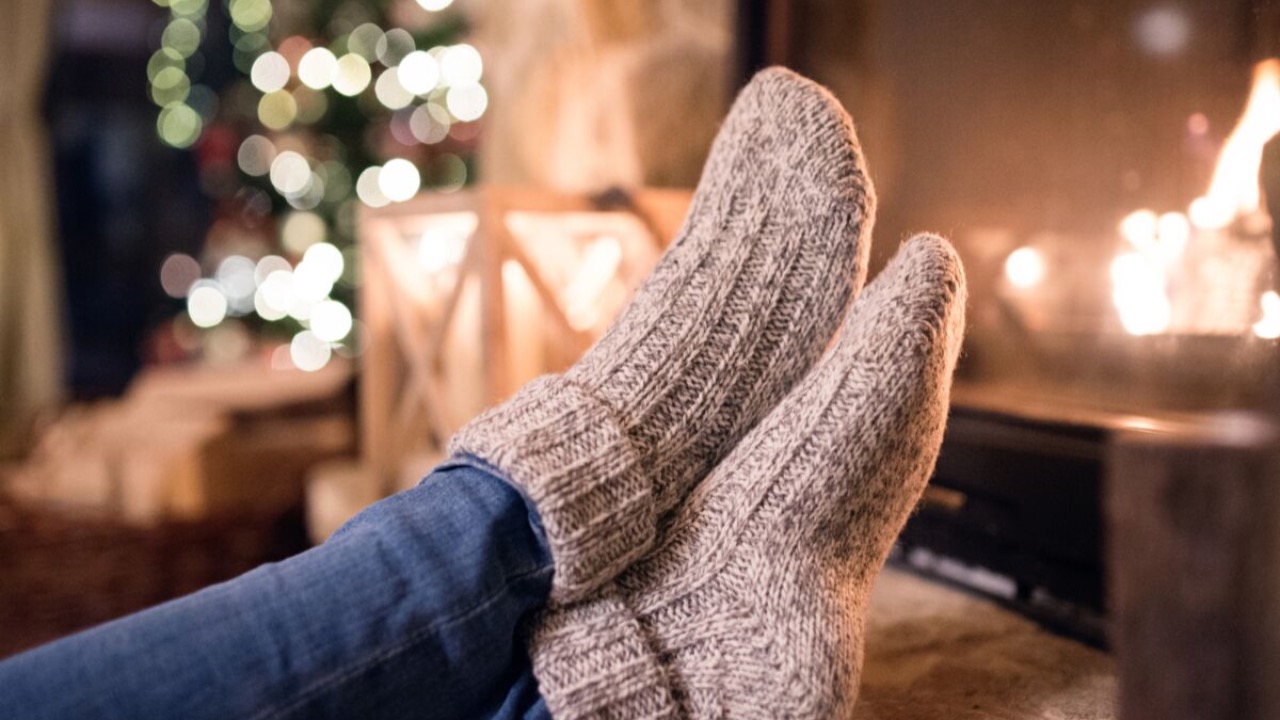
(426, 126)
(251, 15)
(399, 180)
(270, 72)
(364, 40)
(179, 125)
(390, 92)
(277, 110)
(181, 36)
(461, 65)
(331, 321)
(308, 352)
(368, 190)
(290, 173)
(419, 73)
(1024, 268)
(267, 265)
(435, 5)
(206, 305)
(317, 67)
(301, 230)
(351, 75)
(325, 260)
(255, 155)
(468, 102)
(393, 46)
(178, 273)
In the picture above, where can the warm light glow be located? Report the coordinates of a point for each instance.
(435, 5)
(468, 102)
(277, 110)
(1268, 328)
(1138, 291)
(331, 321)
(1174, 231)
(324, 260)
(1139, 228)
(317, 67)
(399, 180)
(429, 123)
(301, 230)
(276, 295)
(268, 265)
(368, 190)
(581, 297)
(444, 243)
(308, 352)
(351, 75)
(460, 65)
(419, 72)
(206, 305)
(270, 72)
(290, 173)
(1024, 268)
(255, 155)
(364, 40)
(235, 277)
(390, 92)
(1234, 189)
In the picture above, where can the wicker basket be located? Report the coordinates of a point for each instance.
(61, 572)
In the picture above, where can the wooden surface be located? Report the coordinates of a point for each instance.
(434, 360)
(1194, 570)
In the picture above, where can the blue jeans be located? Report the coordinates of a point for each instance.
(411, 610)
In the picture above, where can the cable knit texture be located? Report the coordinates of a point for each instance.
(752, 603)
(734, 314)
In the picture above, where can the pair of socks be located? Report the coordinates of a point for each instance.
(718, 494)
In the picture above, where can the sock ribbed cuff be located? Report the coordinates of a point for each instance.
(593, 660)
(567, 451)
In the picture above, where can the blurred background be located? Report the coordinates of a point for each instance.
(259, 258)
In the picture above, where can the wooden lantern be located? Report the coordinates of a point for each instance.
(468, 295)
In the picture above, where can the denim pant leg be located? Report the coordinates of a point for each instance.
(411, 610)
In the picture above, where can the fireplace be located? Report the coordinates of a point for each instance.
(1103, 169)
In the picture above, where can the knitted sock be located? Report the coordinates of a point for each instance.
(736, 312)
(752, 602)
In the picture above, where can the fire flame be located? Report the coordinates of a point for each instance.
(1234, 189)
(1151, 274)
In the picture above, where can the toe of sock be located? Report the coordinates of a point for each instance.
(790, 140)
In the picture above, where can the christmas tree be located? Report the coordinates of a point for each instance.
(297, 111)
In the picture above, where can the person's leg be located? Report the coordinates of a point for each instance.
(410, 610)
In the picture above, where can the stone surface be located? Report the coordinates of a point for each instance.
(934, 652)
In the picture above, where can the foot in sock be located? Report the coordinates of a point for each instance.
(735, 313)
(751, 604)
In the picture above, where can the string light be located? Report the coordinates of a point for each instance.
(270, 72)
(317, 67)
(467, 103)
(461, 65)
(431, 89)
(399, 180)
(351, 75)
(419, 72)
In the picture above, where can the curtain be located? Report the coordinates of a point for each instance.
(30, 320)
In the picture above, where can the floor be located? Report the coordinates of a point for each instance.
(936, 652)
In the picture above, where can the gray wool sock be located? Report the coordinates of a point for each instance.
(735, 313)
(751, 604)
